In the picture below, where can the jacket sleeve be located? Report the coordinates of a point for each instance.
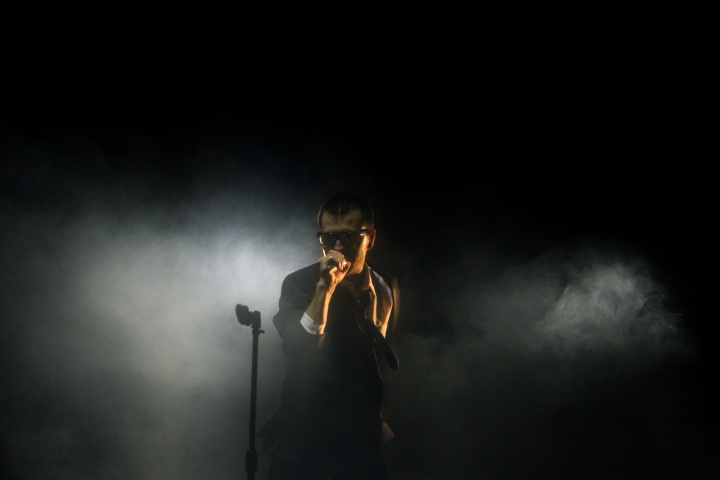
(392, 282)
(295, 296)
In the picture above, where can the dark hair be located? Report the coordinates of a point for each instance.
(343, 203)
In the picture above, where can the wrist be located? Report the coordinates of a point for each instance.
(311, 326)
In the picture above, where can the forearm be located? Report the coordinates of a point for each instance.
(318, 308)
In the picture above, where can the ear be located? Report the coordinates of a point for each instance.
(371, 239)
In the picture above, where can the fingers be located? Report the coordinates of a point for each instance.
(334, 260)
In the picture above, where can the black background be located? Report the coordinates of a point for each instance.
(514, 153)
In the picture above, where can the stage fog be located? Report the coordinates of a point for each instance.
(528, 349)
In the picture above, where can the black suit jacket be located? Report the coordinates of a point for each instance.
(332, 395)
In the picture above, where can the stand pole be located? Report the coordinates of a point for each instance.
(246, 317)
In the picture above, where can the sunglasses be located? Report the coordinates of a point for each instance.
(351, 238)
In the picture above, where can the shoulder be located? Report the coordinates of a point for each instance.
(309, 271)
(304, 278)
(384, 275)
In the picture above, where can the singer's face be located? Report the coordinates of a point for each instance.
(349, 223)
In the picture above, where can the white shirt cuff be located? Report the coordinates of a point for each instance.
(309, 325)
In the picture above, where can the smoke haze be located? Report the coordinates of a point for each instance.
(537, 338)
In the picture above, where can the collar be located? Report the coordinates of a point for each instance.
(364, 284)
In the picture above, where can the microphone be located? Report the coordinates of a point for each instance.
(332, 265)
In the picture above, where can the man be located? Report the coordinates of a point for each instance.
(334, 317)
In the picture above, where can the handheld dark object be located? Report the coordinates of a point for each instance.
(332, 265)
(246, 317)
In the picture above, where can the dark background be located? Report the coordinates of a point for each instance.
(549, 221)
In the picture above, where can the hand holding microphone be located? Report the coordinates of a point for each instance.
(334, 261)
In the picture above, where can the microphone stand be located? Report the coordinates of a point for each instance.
(246, 317)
